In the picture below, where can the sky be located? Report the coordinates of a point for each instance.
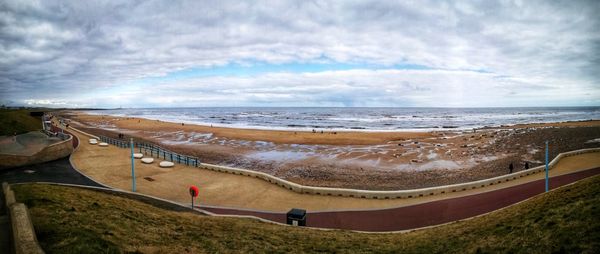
(107, 54)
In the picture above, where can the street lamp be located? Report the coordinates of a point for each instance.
(132, 167)
(546, 165)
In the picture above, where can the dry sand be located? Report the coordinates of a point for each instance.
(361, 160)
(275, 136)
(111, 166)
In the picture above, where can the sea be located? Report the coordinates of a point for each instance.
(358, 119)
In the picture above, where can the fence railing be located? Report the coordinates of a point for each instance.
(54, 133)
(154, 151)
(115, 142)
(159, 152)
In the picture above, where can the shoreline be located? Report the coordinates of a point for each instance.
(358, 137)
(359, 160)
(293, 129)
(443, 128)
(347, 137)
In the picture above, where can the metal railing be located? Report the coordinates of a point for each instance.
(115, 142)
(159, 152)
(154, 151)
(61, 135)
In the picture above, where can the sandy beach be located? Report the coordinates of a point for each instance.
(354, 159)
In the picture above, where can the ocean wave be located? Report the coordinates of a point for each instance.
(361, 119)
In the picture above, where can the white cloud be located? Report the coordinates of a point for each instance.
(431, 88)
(54, 49)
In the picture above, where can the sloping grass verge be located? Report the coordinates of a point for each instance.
(74, 220)
(19, 121)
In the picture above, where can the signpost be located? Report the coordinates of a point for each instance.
(546, 165)
(132, 167)
(194, 193)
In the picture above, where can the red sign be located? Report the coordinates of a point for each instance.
(194, 191)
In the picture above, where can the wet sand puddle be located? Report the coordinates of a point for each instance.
(451, 150)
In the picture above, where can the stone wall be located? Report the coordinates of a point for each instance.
(23, 233)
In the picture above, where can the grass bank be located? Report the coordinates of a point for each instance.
(73, 220)
(19, 121)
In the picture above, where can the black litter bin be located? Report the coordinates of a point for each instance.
(296, 217)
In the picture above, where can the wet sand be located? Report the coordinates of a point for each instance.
(275, 136)
(111, 165)
(363, 160)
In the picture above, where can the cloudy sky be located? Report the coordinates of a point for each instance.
(299, 53)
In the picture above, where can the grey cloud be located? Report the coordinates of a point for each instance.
(351, 88)
(50, 47)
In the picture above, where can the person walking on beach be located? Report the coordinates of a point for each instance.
(510, 168)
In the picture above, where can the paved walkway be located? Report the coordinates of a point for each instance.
(224, 193)
(57, 129)
(112, 166)
(422, 215)
(58, 171)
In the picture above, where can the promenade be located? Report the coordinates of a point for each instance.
(112, 166)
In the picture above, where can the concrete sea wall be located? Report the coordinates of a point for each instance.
(372, 194)
(393, 194)
(52, 152)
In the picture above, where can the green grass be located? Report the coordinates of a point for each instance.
(73, 220)
(19, 121)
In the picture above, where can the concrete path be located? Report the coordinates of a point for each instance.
(112, 166)
(58, 171)
(57, 129)
(224, 193)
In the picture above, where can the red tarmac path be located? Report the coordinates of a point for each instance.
(75, 139)
(421, 215)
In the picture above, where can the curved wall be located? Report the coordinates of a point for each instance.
(52, 152)
(393, 194)
(414, 193)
